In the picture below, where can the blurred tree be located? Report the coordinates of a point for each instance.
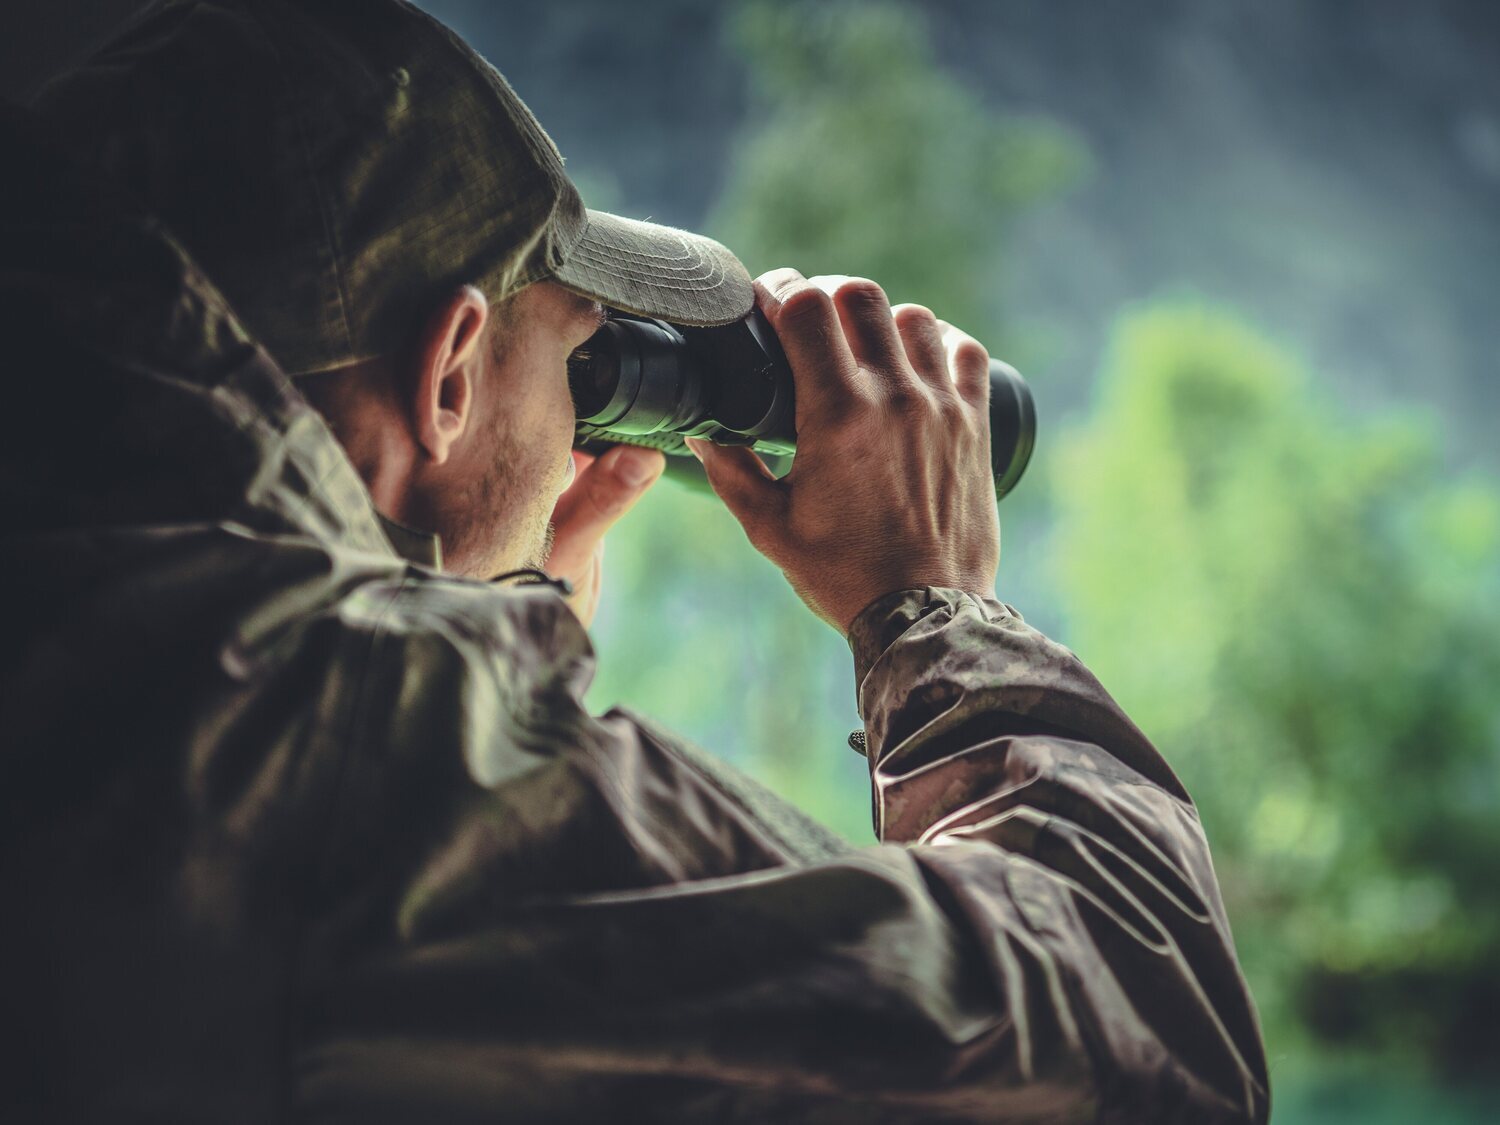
(867, 158)
(1302, 612)
(863, 157)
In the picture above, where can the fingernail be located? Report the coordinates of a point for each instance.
(635, 469)
(692, 447)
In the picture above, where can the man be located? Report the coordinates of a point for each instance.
(306, 818)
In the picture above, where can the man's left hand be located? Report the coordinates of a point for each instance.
(601, 492)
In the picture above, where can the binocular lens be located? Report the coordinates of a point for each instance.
(646, 382)
(1012, 426)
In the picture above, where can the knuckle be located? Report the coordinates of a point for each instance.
(953, 411)
(974, 424)
(804, 304)
(778, 278)
(970, 355)
(908, 400)
(845, 411)
(860, 292)
(914, 317)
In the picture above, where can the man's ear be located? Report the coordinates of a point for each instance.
(449, 362)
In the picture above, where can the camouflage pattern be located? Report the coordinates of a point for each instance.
(297, 828)
(356, 157)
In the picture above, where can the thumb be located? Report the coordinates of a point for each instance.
(599, 495)
(739, 478)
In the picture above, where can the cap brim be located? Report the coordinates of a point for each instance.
(657, 271)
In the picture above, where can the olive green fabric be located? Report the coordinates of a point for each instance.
(297, 829)
(338, 165)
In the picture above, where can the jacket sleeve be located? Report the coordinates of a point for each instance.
(535, 914)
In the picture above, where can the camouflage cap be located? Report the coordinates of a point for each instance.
(332, 164)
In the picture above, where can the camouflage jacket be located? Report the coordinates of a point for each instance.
(297, 828)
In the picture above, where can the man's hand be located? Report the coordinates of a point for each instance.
(603, 490)
(891, 488)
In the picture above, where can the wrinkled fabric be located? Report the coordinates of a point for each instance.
(390, 162)
(298, 829)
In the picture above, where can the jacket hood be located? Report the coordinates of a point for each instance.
(135, 397)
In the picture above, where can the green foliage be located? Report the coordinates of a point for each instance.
(868, 159)
(1302, 612)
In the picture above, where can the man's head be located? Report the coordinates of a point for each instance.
(390, 220)
(467, 433)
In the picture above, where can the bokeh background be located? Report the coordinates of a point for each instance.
(1248, 256)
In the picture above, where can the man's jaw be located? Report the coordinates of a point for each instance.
(538, 559)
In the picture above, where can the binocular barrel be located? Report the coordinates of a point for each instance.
(646, 382)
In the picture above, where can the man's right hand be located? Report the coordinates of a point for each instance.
(891, 487)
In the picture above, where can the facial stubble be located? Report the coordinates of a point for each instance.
(511, 515)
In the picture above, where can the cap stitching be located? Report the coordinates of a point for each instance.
(696, 272)
(676, 262)
(692, 261)
(639, 267)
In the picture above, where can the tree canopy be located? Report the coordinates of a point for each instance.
(1300, 607)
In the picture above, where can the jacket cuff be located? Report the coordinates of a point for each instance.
(881, 623)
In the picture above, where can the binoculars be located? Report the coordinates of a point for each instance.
(639, 381)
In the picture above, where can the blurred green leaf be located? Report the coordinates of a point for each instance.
(1303, 612)
(865, 158)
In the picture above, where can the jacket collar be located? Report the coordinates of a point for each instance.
(420, 547)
